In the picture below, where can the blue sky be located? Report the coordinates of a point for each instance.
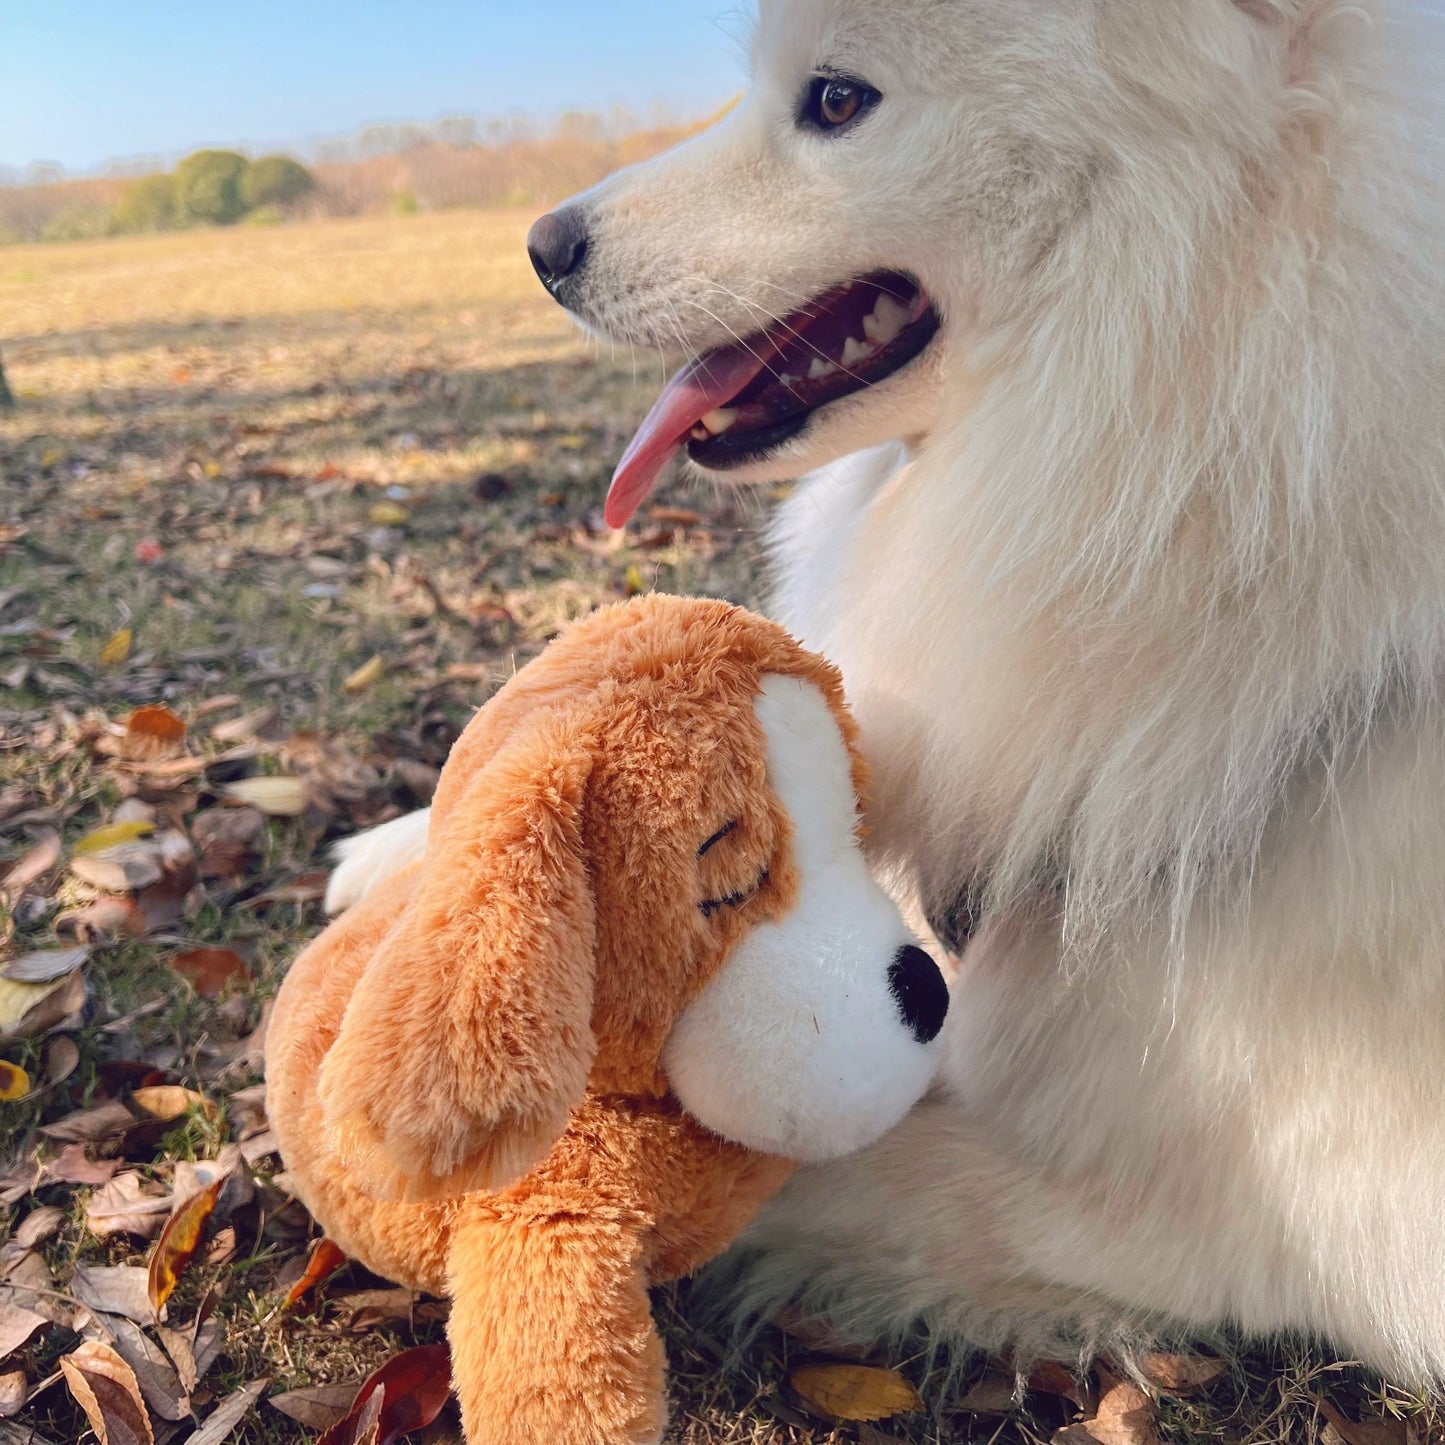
(85, 81)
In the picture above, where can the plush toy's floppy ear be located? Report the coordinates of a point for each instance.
(468, 1040)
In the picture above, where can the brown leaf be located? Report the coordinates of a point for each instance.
(1049, 1377)
(128, 1204)
(102, 920)
(1179, 1374)
(1364, 1432)
(168, 1102)
(407, 1393)
(112, 1290)
(105, 1387)
(44, 854)
(62, 1058)
(854, 1392)
(992, 1395)
(159, 1383)
(44, 966)
(277, 797)
(13, 1392)
(319, 1407)
(125, 869)
(28, 1009)
(818, 1335)
(243, 728)
(152, 733)
(1126, 1416)
(72, 1166)
(322, 1262)
(17, 1324)
(368, 1307)
(210, 970)
(39, 1225)
(178, 1243)
(86, 1126)
(228, 1414)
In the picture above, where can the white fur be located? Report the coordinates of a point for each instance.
(370, 858)
(1143, 624)
(797, 1047)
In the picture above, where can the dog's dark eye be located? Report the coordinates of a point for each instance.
(835, 101)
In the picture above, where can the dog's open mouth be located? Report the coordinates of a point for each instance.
(738, 402)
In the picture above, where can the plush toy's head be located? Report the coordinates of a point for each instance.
(642, 874)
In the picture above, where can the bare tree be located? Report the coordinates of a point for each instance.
(7, 400)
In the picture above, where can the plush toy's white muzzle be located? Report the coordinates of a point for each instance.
(816, 1037)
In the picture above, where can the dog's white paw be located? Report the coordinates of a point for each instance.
(372, 857)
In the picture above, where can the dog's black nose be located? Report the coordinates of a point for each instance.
(557, 245)
(920, 992)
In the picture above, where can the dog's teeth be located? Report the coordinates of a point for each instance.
(715, 423)
(887, 319)
(855, 351)
(821, 368)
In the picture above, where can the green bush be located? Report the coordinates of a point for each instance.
(264, 216)
(208, 188)
(404, 202)
(78, 223)
(147, 204)
(275, 181)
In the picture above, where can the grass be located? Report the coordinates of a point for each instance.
(287, 458)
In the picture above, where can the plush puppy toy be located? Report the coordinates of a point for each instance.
(640, 969)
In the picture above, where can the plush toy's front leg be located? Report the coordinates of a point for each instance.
(551, 1332)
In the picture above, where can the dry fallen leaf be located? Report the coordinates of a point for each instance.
(1364, 1432)
(14, 1082)
(127, 1204)
(407, 1393)
(1125, 1416)
(317, 1408)
(62, 1058)
(85, 1126)
(44, 965)
(117, 649)
(1178, 1374)
(854, 1392)
(44, 854)
(365, 676)
(152, 733)
(168, 1102)
(112, 1290)
(388, 514)
(992, 1395)
(178, 1242)
(71, 1166)
(159, 1384)
(322, 1262)
(17, 1324)
(1049, 1377)
(209, 970)
(105, 1387)
(40, 1224)
(27, 1009)
(277, 797)
(228, 1414)
(113, 835)
(13, 1392)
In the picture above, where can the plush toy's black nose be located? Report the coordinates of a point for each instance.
(557, 245)
(920, 992)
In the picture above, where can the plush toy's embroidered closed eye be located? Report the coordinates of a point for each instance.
(640, 969)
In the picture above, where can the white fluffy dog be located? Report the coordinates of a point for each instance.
(1127, 321)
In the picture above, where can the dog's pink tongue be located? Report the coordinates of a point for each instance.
(700, 387)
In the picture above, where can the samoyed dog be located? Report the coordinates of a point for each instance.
(1113, 335)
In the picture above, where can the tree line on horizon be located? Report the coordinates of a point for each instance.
(396, 169)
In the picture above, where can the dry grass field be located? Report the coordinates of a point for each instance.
(278, 508)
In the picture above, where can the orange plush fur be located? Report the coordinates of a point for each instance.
(465, 1070)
